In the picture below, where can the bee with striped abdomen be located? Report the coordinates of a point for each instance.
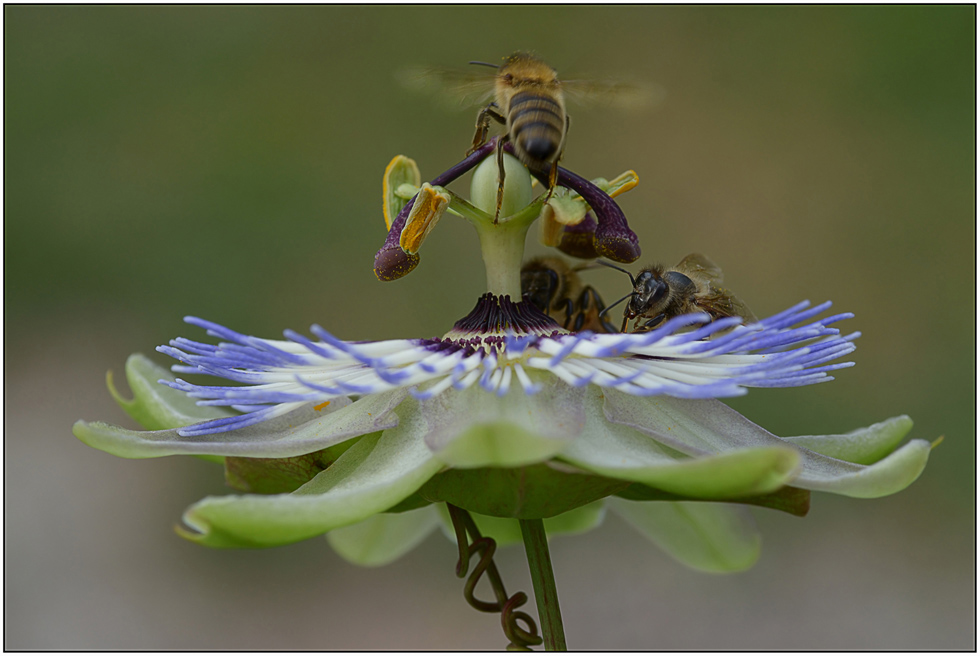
(529, 102)
(528, 99)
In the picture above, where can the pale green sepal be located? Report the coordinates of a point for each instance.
(711, 537)
(372, 476)
(864, 446)
(730, 475)
(155, 406)
(889, 475)
(295, 433)
(506, 531)
(703, 426)
(473, 428)
(621, 452)
(582, 519)
(384, 538)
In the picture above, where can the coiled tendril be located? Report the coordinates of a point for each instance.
(520, 639)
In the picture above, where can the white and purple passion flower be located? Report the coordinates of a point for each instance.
(507, 415)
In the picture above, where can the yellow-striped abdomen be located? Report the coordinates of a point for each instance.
(536, 123)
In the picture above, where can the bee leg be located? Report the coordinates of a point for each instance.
(568, 313)
(552, 180)
(654, 321)
(553, 174)
(500, 177)
(483, 125)
(591, 297)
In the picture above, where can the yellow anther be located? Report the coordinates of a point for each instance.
(622, 183)
(430, 205)
(550, 229)
(400, 170)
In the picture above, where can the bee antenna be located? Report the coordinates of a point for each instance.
(479, 63)
(609, 307)
(613, 266)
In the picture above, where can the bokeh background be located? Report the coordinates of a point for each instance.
(226, 163)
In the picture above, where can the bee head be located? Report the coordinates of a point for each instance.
(538, 286)
(649, 290)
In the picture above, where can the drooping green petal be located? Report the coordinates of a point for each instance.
(473, 428)
(787, 499)
(303, 430)
(372, 476)
(864, 446)
(619, 451)
(533, 492)
(703, 426)
(155, 406)
(383, 538)
(280, 475)
(711, 537)
(506, 531)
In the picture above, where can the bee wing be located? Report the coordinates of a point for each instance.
(459, 87)
(722, 303)
(700, 264)
(616, 93)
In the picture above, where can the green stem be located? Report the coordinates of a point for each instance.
(503, 250)
(543, 579)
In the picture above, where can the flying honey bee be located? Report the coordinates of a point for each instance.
(552, 286)
(528, 99)
(661, 293)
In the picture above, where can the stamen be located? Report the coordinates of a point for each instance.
(430, 204)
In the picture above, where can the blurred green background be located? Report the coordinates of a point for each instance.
(226, 162)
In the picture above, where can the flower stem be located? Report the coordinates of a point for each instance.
(543, 579)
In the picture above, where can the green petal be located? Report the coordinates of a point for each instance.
(507, 531)
(580, 520)
(864, 446)
(381, 539)
(471, 428)
(373, 475)
(788, 499)
(280, 475)
(532, 492)
(887, 476)
(618, 451)
(155, 406)
(711, 537)
(301, 431)
(703, 426)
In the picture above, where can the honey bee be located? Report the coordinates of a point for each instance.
(661, 293)
(552, 286)
(530, 103)
(528, 99)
